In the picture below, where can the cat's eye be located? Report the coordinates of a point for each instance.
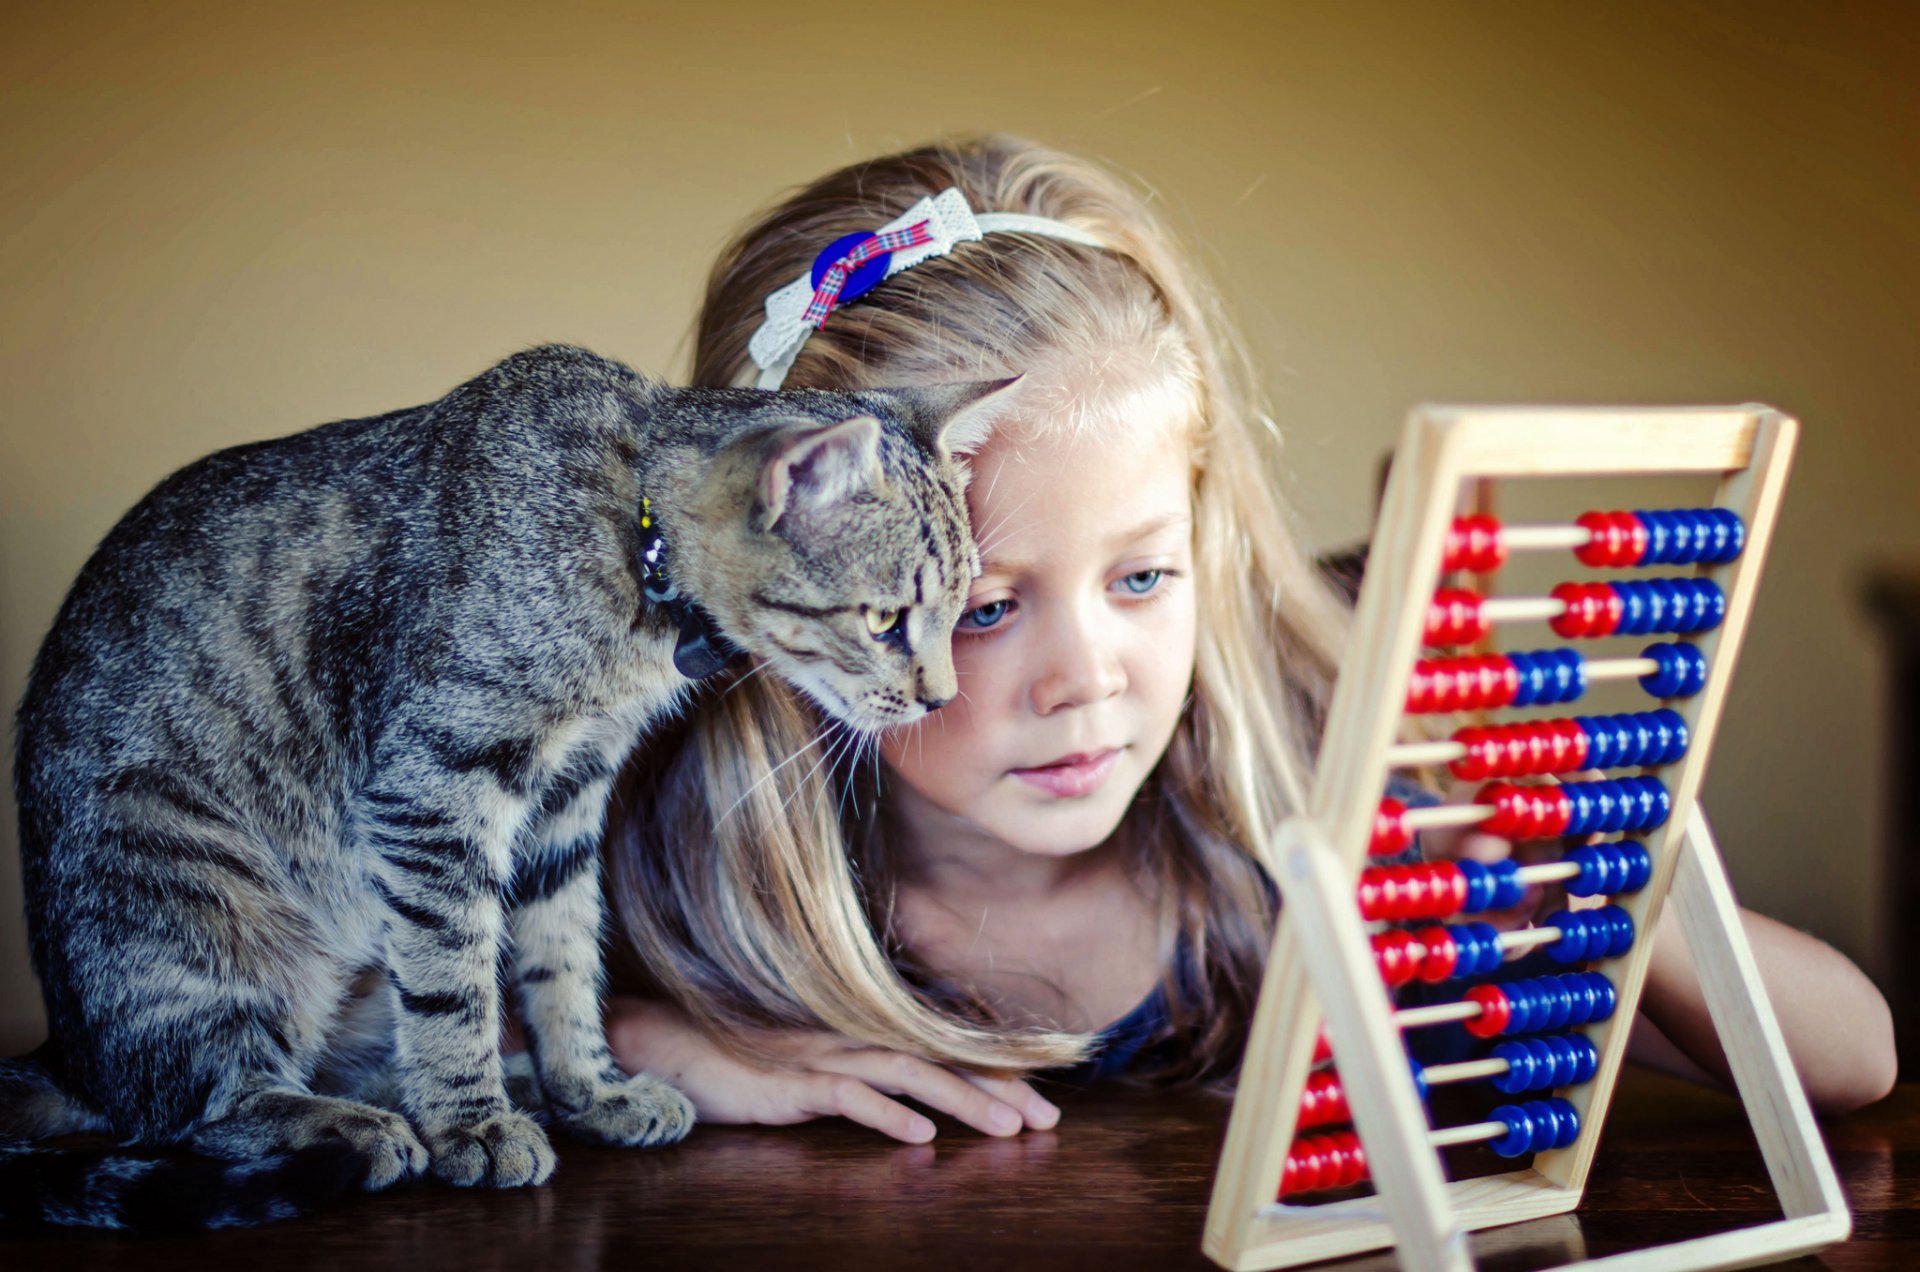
(882, 623)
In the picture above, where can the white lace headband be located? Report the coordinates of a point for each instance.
(849, 267)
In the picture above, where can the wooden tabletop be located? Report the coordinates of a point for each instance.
(1121, 1183)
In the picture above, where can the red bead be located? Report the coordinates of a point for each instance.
(1570, 746)
(1593, 609)
(1430, 890)
(1324, 1102)
(1441, 954)
(1316, 1163)
(1393, 951)
(1390, 833)
(1495, 1011)
(1473, 543)
(1322, 1046)
(1519, 750)
(1619, 539)
(1454, 617)
(1462, 684)
(1525, 812)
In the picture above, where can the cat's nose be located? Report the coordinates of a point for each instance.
(934, 704)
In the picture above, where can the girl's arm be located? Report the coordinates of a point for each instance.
(822, 1076)
(1837, 1026)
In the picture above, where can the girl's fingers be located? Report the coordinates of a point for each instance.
(842, 1095)
(1041, 1114)
(937, 1088)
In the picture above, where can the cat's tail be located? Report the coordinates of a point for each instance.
(139, 1190)
(168, 1192)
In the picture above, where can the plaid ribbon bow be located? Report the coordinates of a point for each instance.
(827, 294)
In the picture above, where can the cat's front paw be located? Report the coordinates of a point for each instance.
(636, 1113)
(506, 1151)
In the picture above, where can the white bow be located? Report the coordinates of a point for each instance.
(949, 220)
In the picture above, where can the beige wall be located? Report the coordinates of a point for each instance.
(231, 225)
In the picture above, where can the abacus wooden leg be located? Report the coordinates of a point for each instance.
(1387, 1112)
(1802, 1172)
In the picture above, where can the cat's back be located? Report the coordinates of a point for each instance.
(247, 603)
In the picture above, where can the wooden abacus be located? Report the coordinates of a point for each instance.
(1323, 959)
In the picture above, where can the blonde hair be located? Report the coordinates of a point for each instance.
(749, 866)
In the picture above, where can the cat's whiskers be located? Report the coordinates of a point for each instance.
(758, 667)
(810, 744)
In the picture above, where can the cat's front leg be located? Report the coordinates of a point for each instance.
(556, 922)
(441, 831)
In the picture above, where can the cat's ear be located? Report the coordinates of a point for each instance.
(809, 467)
(957, 419)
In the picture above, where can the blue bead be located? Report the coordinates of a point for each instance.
(1519, 1074)
(1480, 887)
(1610, 936)
(1631, 865)
(1682, 670)
(1531, 681)
(1596, 874)
(1559, 1121)
(1610, 807)
(1519, 1135)
(1572, 945)
(1654, 803)
(863, 279)
(1419, 1078)
(1730, 535)
(1507, 889)
(1662, 601)
(1487, 953)
(1600, 997)
(1709, 605)
(1534, 1127)
(1671, 735)
(1586, 1060)
(1639, 865)
(1548, 676)
(1660, 537)
(1687, 537)
(1633, 609)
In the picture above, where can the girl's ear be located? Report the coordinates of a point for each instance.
(957, 419)
(808, 468)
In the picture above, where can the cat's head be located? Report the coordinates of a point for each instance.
(835, 547)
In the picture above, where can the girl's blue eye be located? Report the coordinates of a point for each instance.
(1140, 582)
(981, 617)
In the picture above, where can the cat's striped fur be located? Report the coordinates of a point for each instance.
(319, 746)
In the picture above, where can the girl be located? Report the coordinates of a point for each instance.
(1062, 866)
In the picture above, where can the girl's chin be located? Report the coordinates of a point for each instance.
(1059, 831)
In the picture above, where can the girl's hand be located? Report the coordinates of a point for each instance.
(822, 1075)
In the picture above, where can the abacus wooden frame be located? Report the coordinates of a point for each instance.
(1321, 959)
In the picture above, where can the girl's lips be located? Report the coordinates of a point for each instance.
(1073, 775)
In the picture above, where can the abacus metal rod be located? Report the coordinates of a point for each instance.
(1425, 754)
(1470, 1133)
(1521, 609)
(1533, 538)
(1465, 1071)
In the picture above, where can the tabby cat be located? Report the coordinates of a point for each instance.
(320, 743)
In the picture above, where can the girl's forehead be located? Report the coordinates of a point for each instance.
(1115, 398)
(1037, 496)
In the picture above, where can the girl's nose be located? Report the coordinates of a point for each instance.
(1077, 667)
